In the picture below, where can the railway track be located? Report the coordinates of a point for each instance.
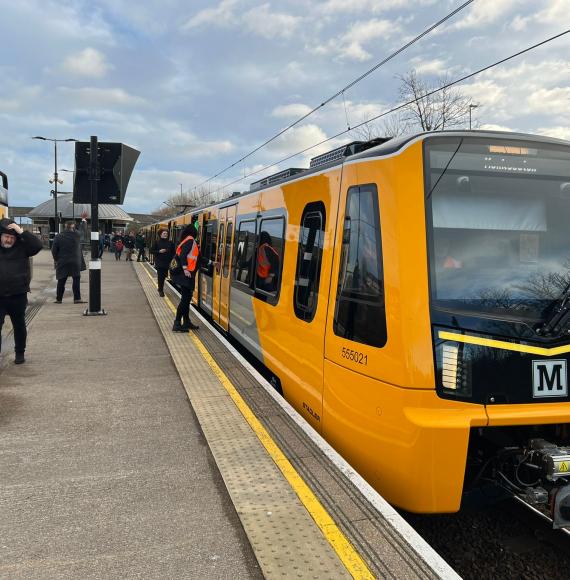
(502, 540)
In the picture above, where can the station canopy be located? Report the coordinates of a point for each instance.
(69, 210)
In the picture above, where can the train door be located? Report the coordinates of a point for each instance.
(356, 324)
(221, 272)
(226, 268)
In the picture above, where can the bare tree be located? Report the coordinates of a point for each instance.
(444, 109)
(184, 202)
(392, 126)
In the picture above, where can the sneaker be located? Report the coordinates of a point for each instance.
(57, 301)
(20, 359)
(191, 326)
(177, 327)
(161, 293)
(80, 301)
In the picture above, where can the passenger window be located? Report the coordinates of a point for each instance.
(311, 239)
(229, 233)
(269, 256)
(244, 252)
(207, 235)
(360, 313)
(220, 247)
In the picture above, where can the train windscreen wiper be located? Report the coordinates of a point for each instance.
(559, 316)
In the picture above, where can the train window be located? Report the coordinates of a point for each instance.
(244, 252)
(226, 268)
(220, 245)
(209, 237)
(360, 313)
(269, 256)
(311, 238)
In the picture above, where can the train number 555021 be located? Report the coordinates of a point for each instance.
(355, 356)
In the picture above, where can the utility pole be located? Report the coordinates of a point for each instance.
(95, 262)
(55, 179)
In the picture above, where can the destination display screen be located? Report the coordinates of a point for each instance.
(508, 158)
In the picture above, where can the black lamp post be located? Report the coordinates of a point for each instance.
(55, 179)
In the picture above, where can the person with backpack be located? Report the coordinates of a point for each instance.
(118, 244)
(184, 276)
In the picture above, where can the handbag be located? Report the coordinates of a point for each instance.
(175, 269)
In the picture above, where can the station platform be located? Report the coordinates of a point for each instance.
(131, 451)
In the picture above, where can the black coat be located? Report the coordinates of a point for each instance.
(15, 274)
(140, 242)
(181, 279)
(66, 252)
(162, 261)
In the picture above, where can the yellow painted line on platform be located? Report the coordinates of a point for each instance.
(350, 558)
(503, 344)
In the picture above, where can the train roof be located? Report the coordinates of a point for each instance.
(379, 147)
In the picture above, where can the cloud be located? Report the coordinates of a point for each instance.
(294, 110)
(297, 139)
(88, 63)
(369, 6)
(263, 22)
(222, 15)
(557, 132)
(259, 20)
(486, 12)
(495, 127)
(552, 101)
(100, 97)
(350, 45)
(556, 11)
(429, 67)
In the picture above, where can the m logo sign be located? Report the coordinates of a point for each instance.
(549, 378)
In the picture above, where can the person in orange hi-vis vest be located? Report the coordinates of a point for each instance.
(187, 256)
(267, 268)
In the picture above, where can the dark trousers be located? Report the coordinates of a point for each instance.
(161, 273)
(75, 287)
(141, 255)
(118, 254)
(15, 308)
(183, 310)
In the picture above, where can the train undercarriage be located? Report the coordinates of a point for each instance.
(530, 463)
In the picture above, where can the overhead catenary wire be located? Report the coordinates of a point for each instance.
(340, 92)
(397, 108)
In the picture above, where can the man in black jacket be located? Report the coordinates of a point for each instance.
(66, 252)
(16, 247)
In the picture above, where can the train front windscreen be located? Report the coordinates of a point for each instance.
(498, 222)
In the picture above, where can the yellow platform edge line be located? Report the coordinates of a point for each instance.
(350, 558)
(491, 343)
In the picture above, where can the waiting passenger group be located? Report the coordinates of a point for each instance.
(17, 246)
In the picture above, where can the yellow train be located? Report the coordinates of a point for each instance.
(3, 195)
(411, 297)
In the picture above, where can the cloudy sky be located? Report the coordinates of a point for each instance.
(197, 85)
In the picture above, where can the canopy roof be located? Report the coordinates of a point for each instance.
(69, 210)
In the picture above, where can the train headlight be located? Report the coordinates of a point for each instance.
(454, 368)
(450, 354)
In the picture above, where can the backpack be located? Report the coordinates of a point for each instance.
(119, 245)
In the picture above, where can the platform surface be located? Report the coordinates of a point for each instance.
(105, 469)
(130, 451)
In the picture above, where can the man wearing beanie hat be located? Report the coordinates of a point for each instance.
(16, 247)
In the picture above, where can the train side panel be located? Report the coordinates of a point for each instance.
(293, 348)
(377, 398)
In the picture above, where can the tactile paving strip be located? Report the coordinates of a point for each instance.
(284, 537)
